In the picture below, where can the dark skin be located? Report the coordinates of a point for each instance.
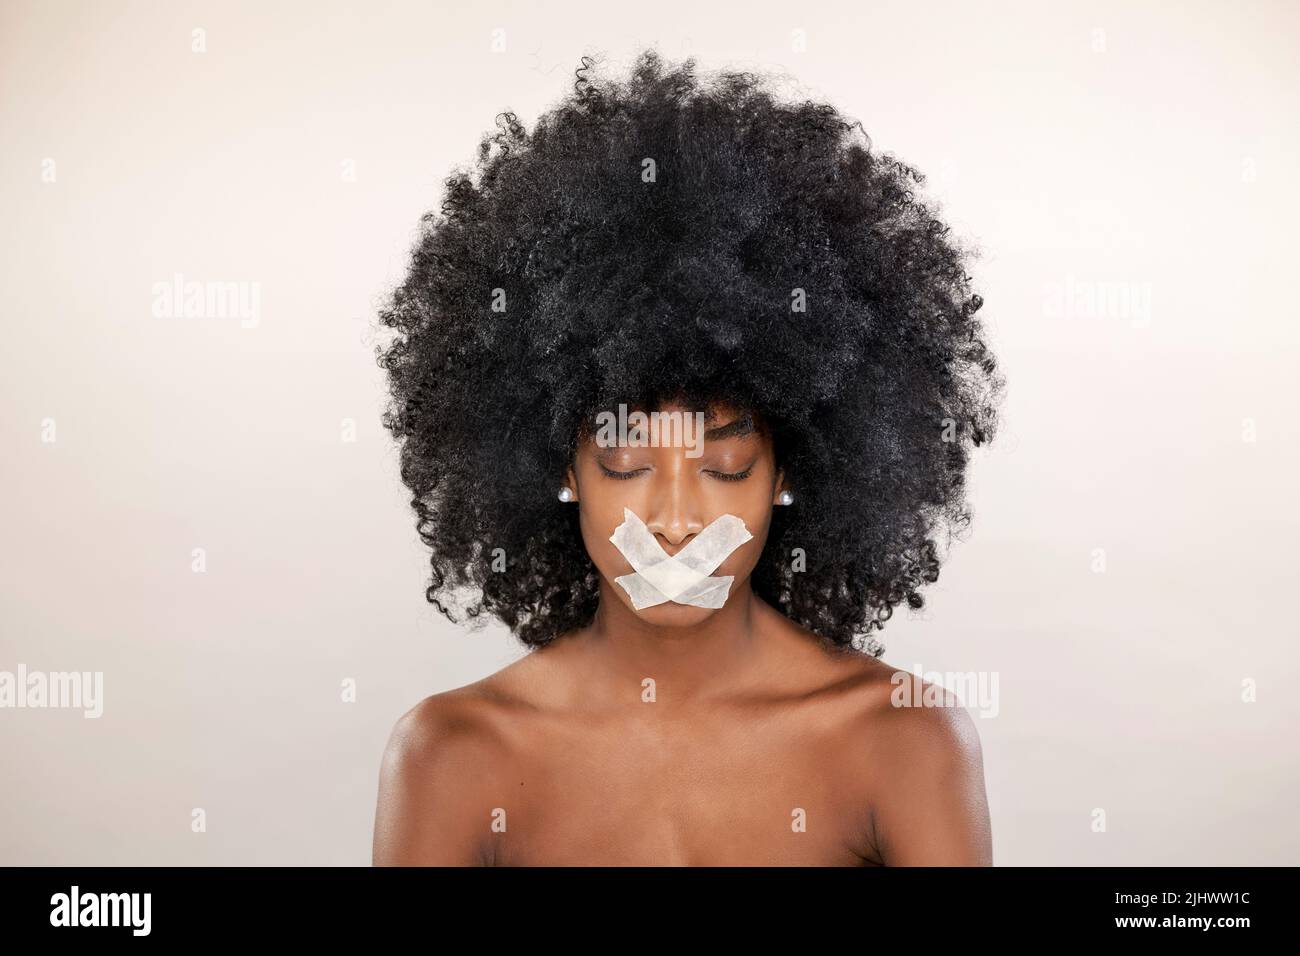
(679, 735)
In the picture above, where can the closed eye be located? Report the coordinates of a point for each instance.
(719, 475)
(621, 475)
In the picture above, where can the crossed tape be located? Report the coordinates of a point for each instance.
(682, 577)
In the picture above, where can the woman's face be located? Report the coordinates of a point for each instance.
(677, 489)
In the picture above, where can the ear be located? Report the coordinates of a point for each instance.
(571, 480)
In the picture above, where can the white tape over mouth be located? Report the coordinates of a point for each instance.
(682, 577)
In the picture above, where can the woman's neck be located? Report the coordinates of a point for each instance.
(718, 658)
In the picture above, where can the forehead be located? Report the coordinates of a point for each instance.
(670, 425)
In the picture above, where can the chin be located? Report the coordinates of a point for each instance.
(673, 614)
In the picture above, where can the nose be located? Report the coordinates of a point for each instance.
(673, 516)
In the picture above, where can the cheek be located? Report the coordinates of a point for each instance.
(598, 522)
(741, 561)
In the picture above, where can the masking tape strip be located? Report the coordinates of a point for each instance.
(682, 577)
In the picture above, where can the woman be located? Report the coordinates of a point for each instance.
(685, 382)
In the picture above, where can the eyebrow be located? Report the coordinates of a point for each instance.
(744, 425)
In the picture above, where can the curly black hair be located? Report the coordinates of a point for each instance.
(653, 238)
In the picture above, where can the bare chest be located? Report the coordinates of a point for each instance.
(759, 795)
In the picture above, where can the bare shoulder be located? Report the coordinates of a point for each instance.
(440, 768)
(441, 726)
(887, 713)
(912, 718)
(918, 753)
(886, 716)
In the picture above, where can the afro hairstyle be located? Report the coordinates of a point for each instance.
(672, 236)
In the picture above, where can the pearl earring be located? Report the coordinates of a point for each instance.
(786, 498)
(566, 494)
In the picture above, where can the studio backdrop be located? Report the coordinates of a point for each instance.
(210, 564)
